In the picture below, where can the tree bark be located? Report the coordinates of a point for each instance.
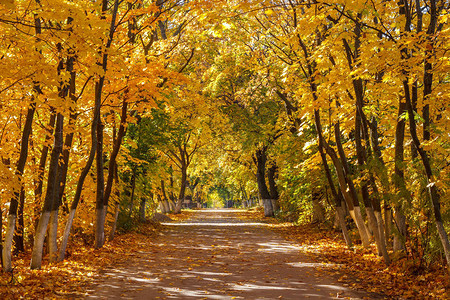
(337, 196)
(18, 236)
(99, 208)
(142, 209)
(273, 190)
(114, 153)
(80, 183)
(399, 180)
(117, 205)
(42, 162)
(183, 186)
(100, 213)
(431, 185)
(133, 186)
(260, 160)
(165, 201)
(13, 206)
(50, 196)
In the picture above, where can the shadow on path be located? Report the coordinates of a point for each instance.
(215, 255)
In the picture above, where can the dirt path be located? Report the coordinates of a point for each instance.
(215, 255)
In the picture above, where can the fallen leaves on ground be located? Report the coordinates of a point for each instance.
(363, 269)
(358, 269)
(183, 216)
(68, 279)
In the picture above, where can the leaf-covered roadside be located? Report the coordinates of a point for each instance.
(362, 269)
(68, 279)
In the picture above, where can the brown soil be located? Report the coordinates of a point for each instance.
(217, 255)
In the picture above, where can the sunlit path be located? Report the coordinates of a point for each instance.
(215, 255)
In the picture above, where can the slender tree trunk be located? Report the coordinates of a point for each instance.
(42, 161)
(99, 209)
(399, 180)
(100, 213)
(431, 185)
(116, 217)
(260, 160)
(318, 212)
(80, 183)
(117, 205)
(273, 190)
(18, 236)
(69, 136)
(142, 209)
(165, 201)
(133, 186)
(338, 198)
(162, 205)
(182, 188)
(14, 203)
(343, 171)
(61, 168)
(114, 153)
(50, 196)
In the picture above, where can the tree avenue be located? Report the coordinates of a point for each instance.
(334, 111)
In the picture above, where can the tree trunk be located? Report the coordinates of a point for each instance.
(114, 153)
(50, 196)
(12, 214)
(318, 212)
(42, 162)
(142, 209)
(117, 205)
(100, 213)
(399, 181)
(165, 200)
(260, 160)
(99, 208)
(80, 183)
(114, 226)
(162, 205)
(338, 198)
(182, 188)
(18, 237)
(273, 190)
(133, 186)
(343, 172)
(431, 185)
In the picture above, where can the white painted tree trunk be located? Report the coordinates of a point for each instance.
(383, 246)
(340, 213)
(52, 236)
(36, 255)
(166, 206)
(65, 239)
(362, 229)
(445, 242)
(177, 209)
(268, 209)
(7, 244)
(399, 232)
(373, 227)
(171, 205)
(99, 228)
(162, 207)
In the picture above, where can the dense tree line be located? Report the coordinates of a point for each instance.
(321, 109)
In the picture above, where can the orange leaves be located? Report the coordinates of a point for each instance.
(68, 279)
(362, 269)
